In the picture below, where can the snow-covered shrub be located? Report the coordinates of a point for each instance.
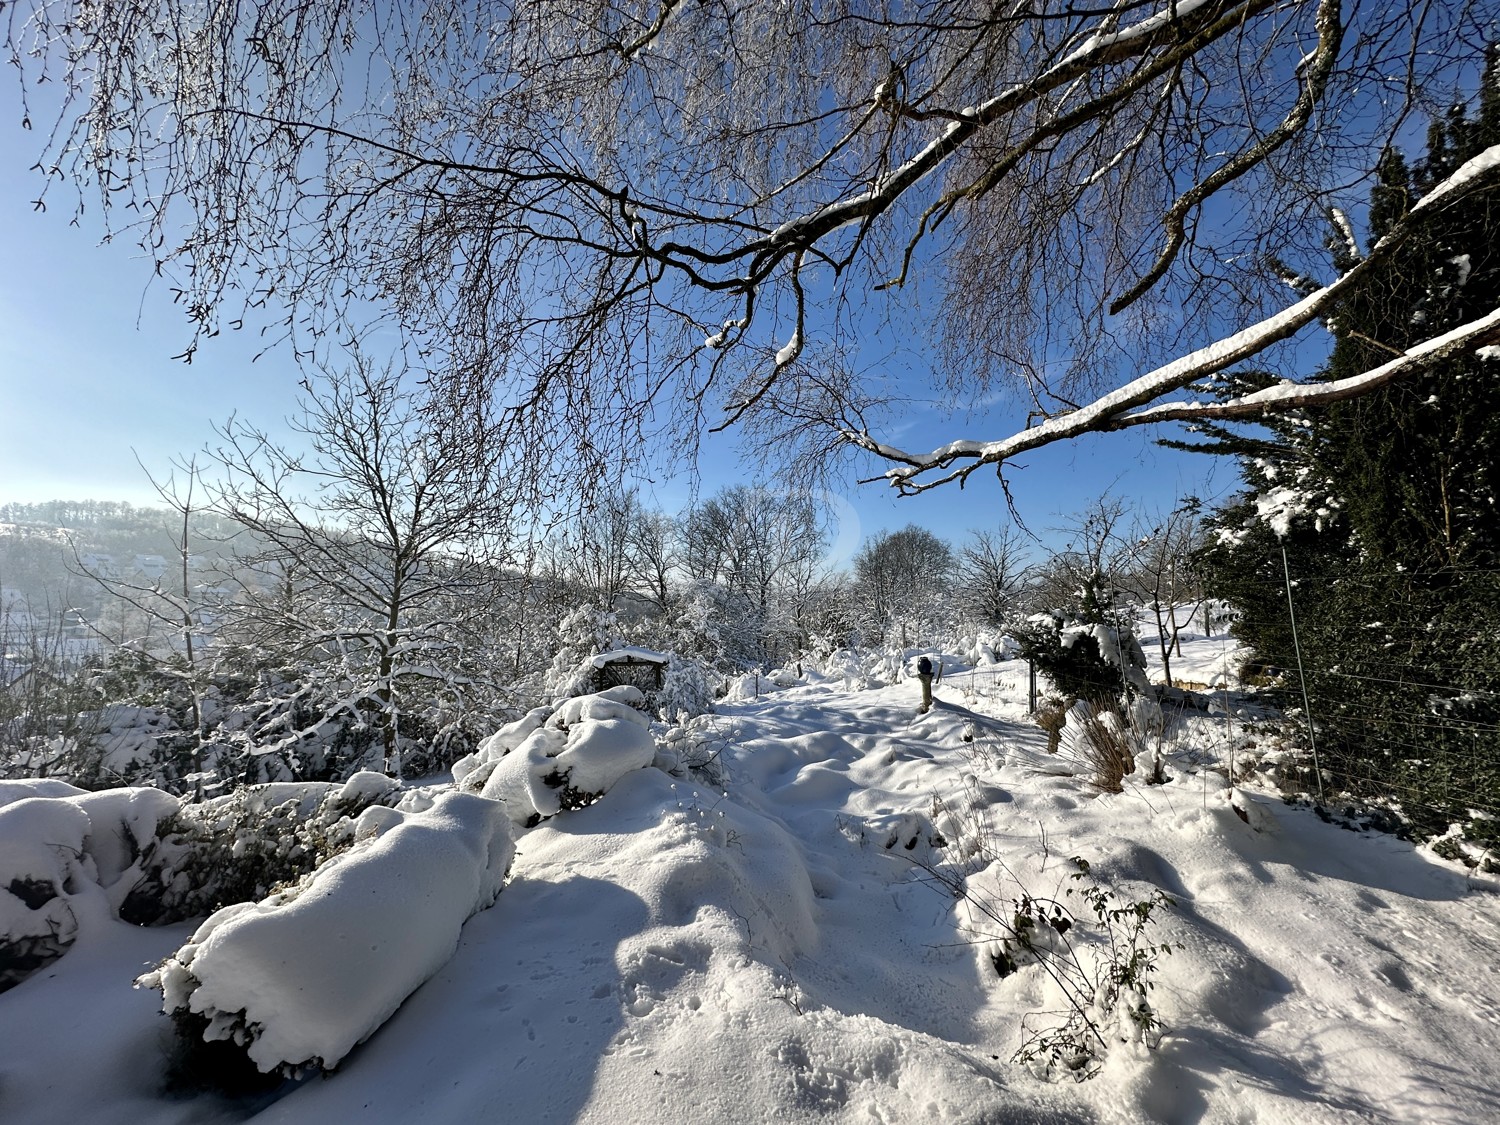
(1108, 739)
(546, 763)
(20, 788)
(1083, 661)
(852, 667)
(582, 635)
(56, 842)
(687, 689)
(297, 980)
(695, 747)
(240, 847)
(41, 858)
(473, 770)
(750, 686)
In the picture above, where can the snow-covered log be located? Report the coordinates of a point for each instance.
(298, 979)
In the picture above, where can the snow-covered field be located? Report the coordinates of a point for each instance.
(772, 949)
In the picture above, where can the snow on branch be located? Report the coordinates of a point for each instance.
(1289, 396)
(1124, 406)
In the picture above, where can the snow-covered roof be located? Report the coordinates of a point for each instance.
(630, 654)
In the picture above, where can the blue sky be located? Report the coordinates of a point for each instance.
(86, 377)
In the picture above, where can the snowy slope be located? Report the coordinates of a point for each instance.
(682, 953)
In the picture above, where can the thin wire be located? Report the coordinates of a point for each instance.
(1311, 737)
(1412, 684)
(1458, 726)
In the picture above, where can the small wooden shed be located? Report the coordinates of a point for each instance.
(639, 667)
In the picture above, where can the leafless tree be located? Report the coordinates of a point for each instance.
(901, 577)
(641, 218)
(1086, 578)
(1160, 574)
(763, 549)
(182, 600)
(990, 571)
(594, 545)
(652, 550)
(380, 542)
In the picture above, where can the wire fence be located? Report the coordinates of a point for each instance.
(1402, 688)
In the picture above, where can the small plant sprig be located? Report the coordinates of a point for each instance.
(1108, 1004)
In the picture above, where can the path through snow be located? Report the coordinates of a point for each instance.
(773, 950)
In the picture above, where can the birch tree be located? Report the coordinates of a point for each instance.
(637, 221)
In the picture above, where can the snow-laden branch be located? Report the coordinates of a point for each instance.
(1097, 51)
(1320, 66)
(1121, 407)
(1290, 396)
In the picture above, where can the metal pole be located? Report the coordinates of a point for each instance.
(1312, 738)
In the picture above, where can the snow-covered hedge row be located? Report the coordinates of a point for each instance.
(55, 841)
(156, 859)
(548, 761)
(242, 846)
(297, 980)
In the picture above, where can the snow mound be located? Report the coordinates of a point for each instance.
(753, 685)
(55, 846)
(21, 788)
(566, 760)
(300, 978)
(41, 856)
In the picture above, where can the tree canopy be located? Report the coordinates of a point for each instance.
(625, 220)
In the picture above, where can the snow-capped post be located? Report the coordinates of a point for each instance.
(924, 673)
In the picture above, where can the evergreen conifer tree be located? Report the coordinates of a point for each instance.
(1386, 508)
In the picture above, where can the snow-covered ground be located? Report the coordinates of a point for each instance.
(772, 949)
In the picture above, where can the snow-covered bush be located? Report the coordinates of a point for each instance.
(297, 980)
(241, 847)
(687, 689)
(750, 686)
(41, 857)
(1083, 660)
(582, 635)
(55, 843)
(546, 763)
(695, 747)
(852, 667)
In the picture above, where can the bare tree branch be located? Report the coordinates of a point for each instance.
(628, 223)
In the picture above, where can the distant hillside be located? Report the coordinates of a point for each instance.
(41, 545)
